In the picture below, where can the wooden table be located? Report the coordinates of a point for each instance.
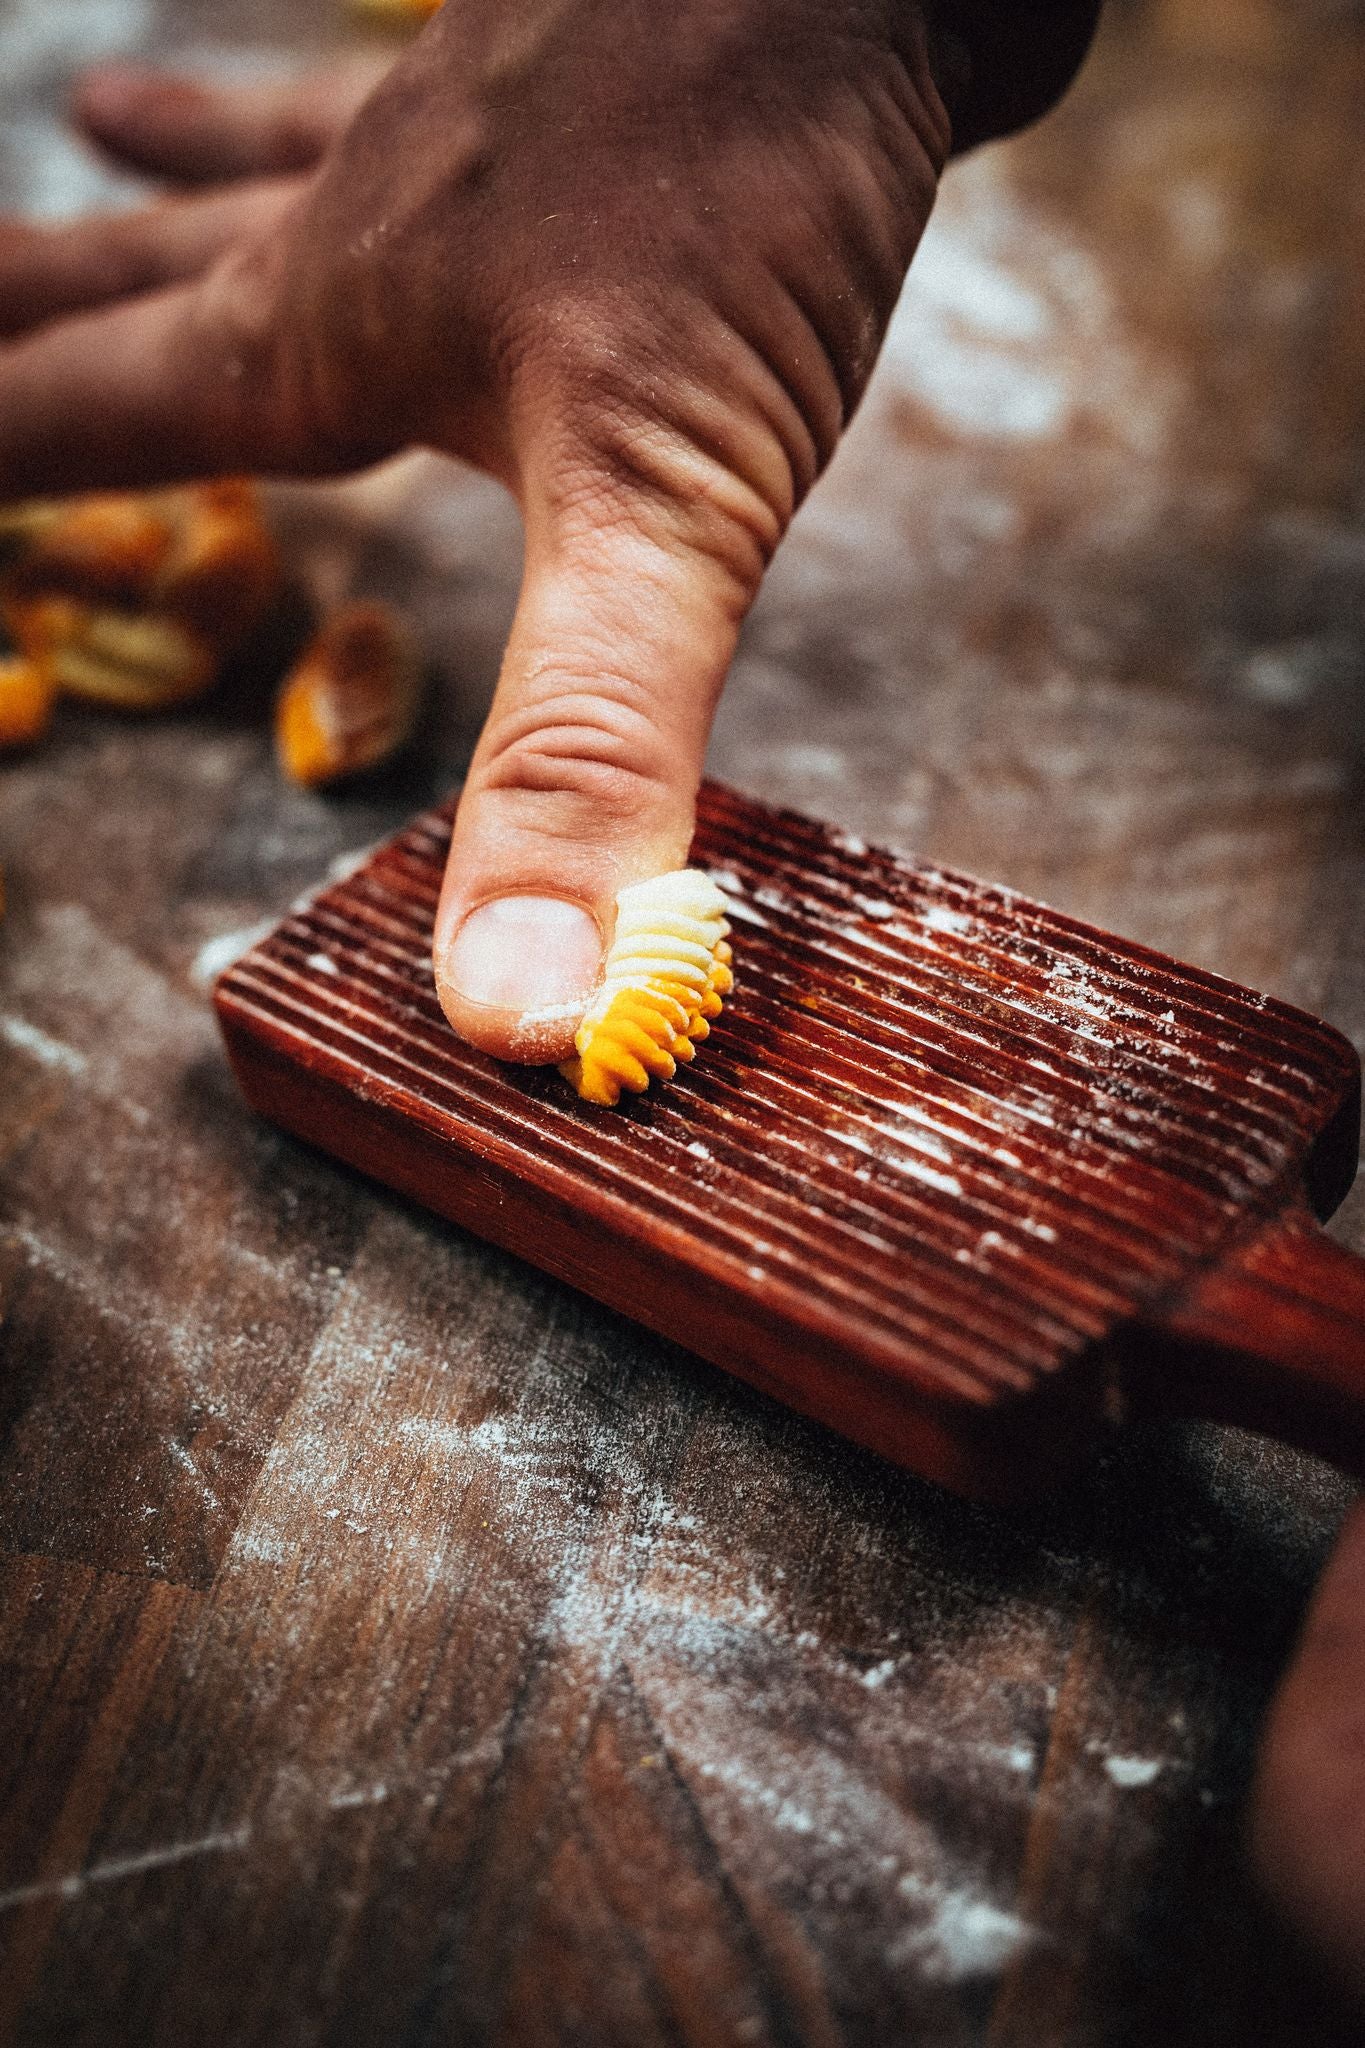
(398, 1649)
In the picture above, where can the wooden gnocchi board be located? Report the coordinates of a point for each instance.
(965, 1179)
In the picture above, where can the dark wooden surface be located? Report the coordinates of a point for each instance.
(946, 1155)
(397, 1648)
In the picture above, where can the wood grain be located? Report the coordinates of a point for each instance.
(396, 1647)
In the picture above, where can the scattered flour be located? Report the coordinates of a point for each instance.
(939, 918)
(345, 864)
(125, 1866)
(942, 1183)
(1131, 1772)
(215, 956)
(740, 910)
(49, 1052)
(849, 843)
(962, 1935)
(364, 1795)
(1034, 1228)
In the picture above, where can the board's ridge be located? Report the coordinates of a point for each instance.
(873, 1133)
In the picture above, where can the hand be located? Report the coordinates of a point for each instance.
(1308, 1812)
(635, 261)
(253, 142)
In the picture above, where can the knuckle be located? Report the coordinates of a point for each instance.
(710, 483)
(233, 321)
(268, 375)
(590, 744)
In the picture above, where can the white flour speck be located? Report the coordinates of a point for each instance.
(345, 864)
(963, 1936)
(1131, 1772)
(49, 1052)
(940, 919)
(365, 1795)
(742, 912)
(215, 956)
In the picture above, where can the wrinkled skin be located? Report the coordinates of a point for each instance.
(635, 261)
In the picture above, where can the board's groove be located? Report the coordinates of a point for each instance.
(1200, 1143)
(945, 1137)
(822, 963)
(739, 1244)
(892, 1307)
(782, 1099)
(812, 941)
(942, 1368)
(996, 910)
(1131, 1121)
(825, 963)
(919, 1208)
(1133, 1102)
(978, 1157)
(1102, 1193)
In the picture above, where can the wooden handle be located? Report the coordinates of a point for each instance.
(1271, 1339)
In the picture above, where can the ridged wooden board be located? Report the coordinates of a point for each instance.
(947, 1168)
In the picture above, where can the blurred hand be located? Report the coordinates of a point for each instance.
(634, 260)
(1308, 1813)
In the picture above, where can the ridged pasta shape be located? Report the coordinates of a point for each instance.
(666, 971)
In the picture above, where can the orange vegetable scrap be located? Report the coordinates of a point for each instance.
(224, 571)
(666, 972)
(27, 694)
(108, 547)
(132, 661)
(137, 600)
(395, 11)
(351, 701)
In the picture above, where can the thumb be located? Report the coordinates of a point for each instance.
(585, 777)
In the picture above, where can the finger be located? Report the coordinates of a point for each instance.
(586, 774)
(46, 272)
(192, 133)
(1308, 1811)
(155, 390)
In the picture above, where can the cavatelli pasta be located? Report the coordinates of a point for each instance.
(666, 971)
